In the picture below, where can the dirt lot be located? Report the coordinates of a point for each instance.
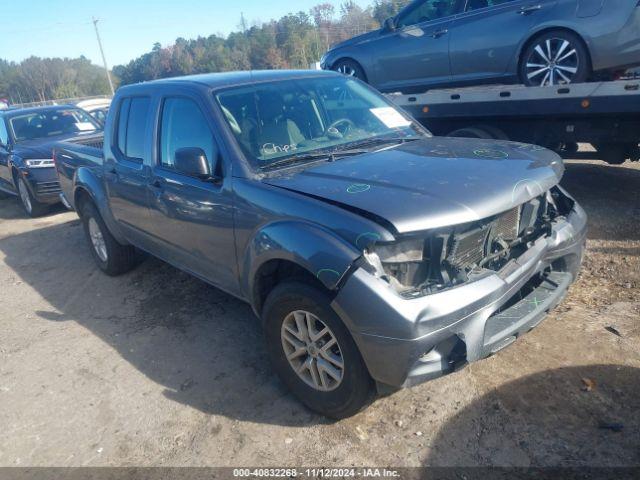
(157, 368)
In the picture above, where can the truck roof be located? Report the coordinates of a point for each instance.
(229, 79)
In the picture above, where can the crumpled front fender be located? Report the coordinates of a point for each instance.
(314, 248)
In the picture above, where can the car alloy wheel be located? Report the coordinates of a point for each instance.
(97, 240)
(554, 61)
(24, 195)
(347, 70)
(312, 350)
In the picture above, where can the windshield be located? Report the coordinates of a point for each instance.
(49, 123)
(295, 119)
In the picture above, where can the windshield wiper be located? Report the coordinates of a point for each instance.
(330, 156)
(383, 141)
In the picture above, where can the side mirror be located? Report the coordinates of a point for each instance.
(389, 25)
(192, 161)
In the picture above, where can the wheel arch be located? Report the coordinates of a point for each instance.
(297, 249)
(276, 271)
(88, 187)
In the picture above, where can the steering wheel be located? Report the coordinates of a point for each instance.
(334, 132)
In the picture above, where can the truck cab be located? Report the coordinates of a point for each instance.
(375, 254)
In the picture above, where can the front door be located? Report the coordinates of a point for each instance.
(486, 36)
(417, 52)
(192, 218)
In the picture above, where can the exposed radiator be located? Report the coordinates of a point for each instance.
(471, 247)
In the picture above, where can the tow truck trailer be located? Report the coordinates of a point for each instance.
(604, 114)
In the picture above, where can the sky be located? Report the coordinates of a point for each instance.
(129, 28)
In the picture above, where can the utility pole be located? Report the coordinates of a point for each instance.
(104, 60)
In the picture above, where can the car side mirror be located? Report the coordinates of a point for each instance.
(192, 161)
(389, 25)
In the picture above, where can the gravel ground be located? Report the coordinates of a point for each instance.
(158, 368)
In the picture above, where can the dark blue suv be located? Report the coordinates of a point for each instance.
(26, 160)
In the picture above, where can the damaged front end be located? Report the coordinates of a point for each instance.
(438, 301)
(419, 265)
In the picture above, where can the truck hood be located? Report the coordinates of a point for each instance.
(431, 183)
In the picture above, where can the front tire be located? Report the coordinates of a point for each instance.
(31, 206)
(111, 257)
(313, 353)
(350, 68)
(557, 57)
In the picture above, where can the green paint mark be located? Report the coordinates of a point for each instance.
(358, 188)
(535, 302)
(372, 235)
(486, 153)
(328, 270)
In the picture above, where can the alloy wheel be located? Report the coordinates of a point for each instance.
(97, 240)
(347, 70)
(312, 350)
(555, 61)
(24, 195)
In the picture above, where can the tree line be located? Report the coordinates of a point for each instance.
(296, 40)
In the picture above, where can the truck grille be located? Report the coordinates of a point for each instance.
(470, 248)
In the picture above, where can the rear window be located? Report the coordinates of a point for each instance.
(132, 124)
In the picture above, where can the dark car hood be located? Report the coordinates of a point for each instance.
(43, 147)
(356, 40)
(432, 183)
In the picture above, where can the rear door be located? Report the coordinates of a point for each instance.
(126, 166)
(485, 37)
(192, 218)
(417, 52)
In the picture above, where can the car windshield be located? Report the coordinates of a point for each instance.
(302, 118)
(49, 123)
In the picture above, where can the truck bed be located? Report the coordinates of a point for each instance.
(85, 152)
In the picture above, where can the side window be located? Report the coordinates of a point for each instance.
(4, 134)
(478, 4)
(132, 124)
(426, 11)
(183, 125)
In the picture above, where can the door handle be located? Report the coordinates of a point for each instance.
(529, 10)
(156, 183)
(439, 33)
(112, 172)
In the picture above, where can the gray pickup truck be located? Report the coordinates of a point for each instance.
(376, 255)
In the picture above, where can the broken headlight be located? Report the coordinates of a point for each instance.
(404, 264)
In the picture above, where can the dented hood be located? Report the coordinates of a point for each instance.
(432, 183)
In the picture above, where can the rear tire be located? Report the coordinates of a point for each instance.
(617, 153)
(330, 397)
(350, 68)
(111, 257)
(471, 132)
(31, 206)
(557, 57)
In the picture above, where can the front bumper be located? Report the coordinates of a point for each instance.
(409, 341)
(43, 183)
